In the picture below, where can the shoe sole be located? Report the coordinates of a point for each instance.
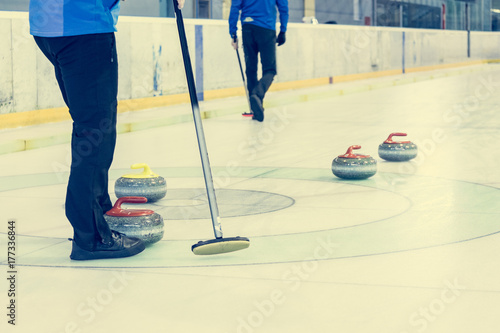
(258, 110)
(87, 255)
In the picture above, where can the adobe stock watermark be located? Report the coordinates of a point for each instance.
(365, 35)
(426, 147)
(84, 143)
(250, 147)
(453, 118)
(266, 135)
(197, 205)
(420, 319)
(93, 305)
(248, 150)
(460, 112)
(292, 279)
(44, 16)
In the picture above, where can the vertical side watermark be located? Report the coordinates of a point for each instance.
(11, 272)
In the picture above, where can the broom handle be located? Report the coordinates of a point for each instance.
(243, 76)
(212, 201)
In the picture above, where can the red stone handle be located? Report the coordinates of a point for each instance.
(349, 153)
(121, 200)
(389, 139)
(117, 209)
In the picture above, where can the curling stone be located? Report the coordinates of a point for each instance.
(354, 166)
(146, 184)
(397, 151)
(144, 224)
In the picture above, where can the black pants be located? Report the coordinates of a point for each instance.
(259, 40)
(86, 69)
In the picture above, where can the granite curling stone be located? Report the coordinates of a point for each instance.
(354, 166)
(146, 184)
(144, 224)
(397, 151)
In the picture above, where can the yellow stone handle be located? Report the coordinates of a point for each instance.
(146, 173)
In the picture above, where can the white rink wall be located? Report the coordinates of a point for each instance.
(151, 64)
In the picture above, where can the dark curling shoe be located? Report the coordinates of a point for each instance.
(121, 247)
(257, 108)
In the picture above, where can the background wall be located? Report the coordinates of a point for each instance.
(484, 14)
(151, 64)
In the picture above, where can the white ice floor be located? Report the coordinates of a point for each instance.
(415, 248)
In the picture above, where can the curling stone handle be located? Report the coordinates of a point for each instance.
(350, 154)
(351, 148)
(118, 203)
(117, 209)
(390, 141)
(395, 134)
(147, 170)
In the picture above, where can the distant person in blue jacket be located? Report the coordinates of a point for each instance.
(258, 20)
(77, 37)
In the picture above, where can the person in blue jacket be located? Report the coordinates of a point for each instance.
(77, 37)
(258, 25)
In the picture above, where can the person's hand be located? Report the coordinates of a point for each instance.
(180, 3)
(234, 42)
(281, 39)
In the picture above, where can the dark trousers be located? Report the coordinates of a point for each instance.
(259, 40)
(86, 69)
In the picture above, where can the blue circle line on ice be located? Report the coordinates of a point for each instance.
(442, 212)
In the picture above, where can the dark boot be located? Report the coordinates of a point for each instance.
(119, 247)
(257, 108)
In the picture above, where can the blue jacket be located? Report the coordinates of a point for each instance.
(258, 12)
(57, 18)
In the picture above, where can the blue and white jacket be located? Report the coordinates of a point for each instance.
(258, 12)
(57, 18)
